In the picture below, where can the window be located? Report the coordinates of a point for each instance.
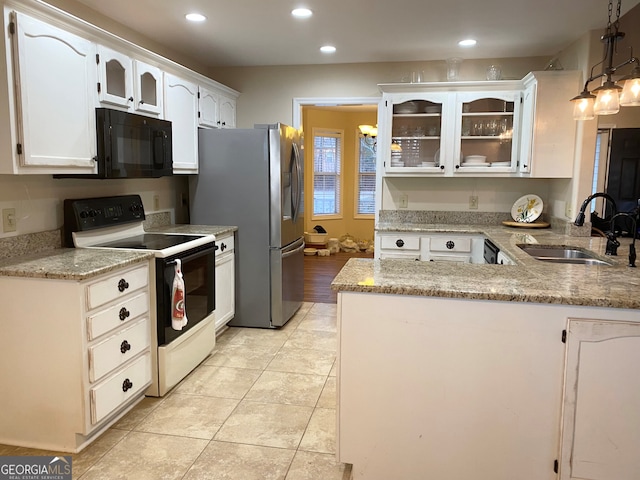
(365, 178)
(327, 165)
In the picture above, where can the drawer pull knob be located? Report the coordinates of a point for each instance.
(126, 385)
(125, 347)
(450, 245)
(223, 247)
(399, 243)
(123, 285)
(124, 313)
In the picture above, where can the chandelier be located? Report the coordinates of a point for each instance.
(370, 134)
(609, 97)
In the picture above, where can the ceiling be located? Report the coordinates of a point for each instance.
(262, 32)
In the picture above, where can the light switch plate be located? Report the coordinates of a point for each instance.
(9, 220)
(473, 202)
(404, 201)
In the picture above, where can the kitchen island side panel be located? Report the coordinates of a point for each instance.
(451, 388)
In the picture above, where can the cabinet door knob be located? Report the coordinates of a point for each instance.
(441, 167)
(222, 247)
(450, 245)
(457, 166)
(399, 243)
(123, 285)
(124, 313)
(125, 347)
(130, 99)
(126, 385)
(141, 102)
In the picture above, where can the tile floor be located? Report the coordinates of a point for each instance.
(261, 407)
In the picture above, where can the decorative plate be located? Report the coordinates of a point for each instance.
(527, 209)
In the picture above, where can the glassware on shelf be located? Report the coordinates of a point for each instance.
(453, 68)
(494, 72)
(466, 127)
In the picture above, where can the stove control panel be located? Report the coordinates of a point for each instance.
(85, 214)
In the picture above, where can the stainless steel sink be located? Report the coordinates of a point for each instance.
(563, 254)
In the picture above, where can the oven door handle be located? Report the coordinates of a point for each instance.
(197, 254)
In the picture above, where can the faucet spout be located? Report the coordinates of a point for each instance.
(579, 221)
(614, 244)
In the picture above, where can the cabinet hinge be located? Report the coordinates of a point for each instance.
(386, 103)
(98, 87)
(19, 148)
(98, 58)
(198, 114)
(12, 28)
(555, 466)
(198, 95)
(564, 336)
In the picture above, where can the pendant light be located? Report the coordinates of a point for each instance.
(607, 99)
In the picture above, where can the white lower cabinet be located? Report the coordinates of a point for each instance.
(601, 419)
(437, 247)
(76, 368)
(473, 389)
(225, 281)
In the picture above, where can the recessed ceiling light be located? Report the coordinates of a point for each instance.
(469, 42)
(301, 12)
(328, 49)
(195, 17)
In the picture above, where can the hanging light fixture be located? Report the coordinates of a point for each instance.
(607, 99)
(370, 133)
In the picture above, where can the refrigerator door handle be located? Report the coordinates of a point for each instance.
(294, 251)
(296, 192)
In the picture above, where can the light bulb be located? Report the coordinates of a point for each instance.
(608, 99)
(630, 96)
(583, 109)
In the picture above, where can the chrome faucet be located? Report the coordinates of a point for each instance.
(580, 218)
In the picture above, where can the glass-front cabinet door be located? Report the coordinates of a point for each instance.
(485, 141)
(417, 129)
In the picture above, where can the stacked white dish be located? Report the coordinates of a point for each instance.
(397, 163)
(500, 164)
(475, 161)
(406, 107)
(428, 164)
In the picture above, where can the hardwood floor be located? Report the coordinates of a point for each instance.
(319, 272)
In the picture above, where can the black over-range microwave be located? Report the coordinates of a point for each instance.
(131, 146)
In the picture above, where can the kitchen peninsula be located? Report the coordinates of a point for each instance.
(450, 370)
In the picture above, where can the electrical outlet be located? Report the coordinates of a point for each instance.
(404, 201)
(156, 202)
(9, 219)
(568, 211)
(473, 202)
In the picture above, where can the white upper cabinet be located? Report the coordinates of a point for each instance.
(130, 84)
(115, 73)
(181, 109)
(484, 132)
(216, 110)
(437, 129)
(548, 127)
(147, 88)
(55, 80)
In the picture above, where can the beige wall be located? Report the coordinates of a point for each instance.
(359, 228)
(267, 93)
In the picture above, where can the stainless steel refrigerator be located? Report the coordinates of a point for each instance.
(253, 178)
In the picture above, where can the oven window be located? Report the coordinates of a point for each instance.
(199, 282)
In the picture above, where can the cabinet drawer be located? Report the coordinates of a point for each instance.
(120, 314)
(450, 244)
(118, 349)
(400, 242)
(450, 258)
(117, 285)
(116, 390)
(225, 245)
(400, 255)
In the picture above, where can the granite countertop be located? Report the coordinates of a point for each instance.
(531, 280)
(217, 230)
(80, 263)
(70, 263)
